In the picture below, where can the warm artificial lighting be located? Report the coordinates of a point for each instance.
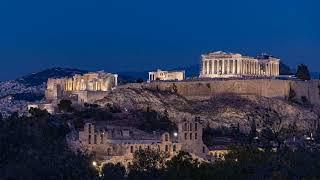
(94, 163)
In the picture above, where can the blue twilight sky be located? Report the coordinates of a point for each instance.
(135, 35)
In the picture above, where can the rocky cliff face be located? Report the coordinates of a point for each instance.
(223, 110)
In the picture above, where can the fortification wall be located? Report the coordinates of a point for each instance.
(309, 89)
(259, 87)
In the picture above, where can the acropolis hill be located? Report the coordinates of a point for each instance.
(224, 102)
(230, 89)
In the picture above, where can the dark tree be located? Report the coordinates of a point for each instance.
(140, 80)
(267, 137)
(292, 94)
(65, 106)
(285, 69)
(35, 148)
(182, 166)
(253, 129)
(317, 132)
(147, 164)
(113, 172)
(305, 101)
(38, 113)
(303, 72)
(1, 120)
(174, 88)
(208, 136)
(155, 121)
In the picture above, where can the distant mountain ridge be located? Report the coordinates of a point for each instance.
(41, 77)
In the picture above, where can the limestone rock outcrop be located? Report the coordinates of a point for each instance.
(225, 109)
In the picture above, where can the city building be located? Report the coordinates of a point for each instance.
(223, 65)
(218, 152)
(160, 75)
(117, 144)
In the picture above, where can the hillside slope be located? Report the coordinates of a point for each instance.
(224, 110)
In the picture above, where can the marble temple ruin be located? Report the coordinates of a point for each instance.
(223, 65)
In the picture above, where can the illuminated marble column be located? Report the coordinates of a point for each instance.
(267, 69)
(215, 67)
(253, 68)
(209, 67)
(247, 67)
(206, 67)
(213, 62)
(256, 68)
(243, 67)
(203, 67)
(233, 66)
(239, 68)
(222, 71)
(116, 80)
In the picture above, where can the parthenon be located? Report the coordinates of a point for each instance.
(222, 64)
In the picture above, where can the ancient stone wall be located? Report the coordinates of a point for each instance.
(270, 88)
(89, 96)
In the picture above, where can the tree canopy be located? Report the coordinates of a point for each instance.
(113, 172)
(303, 72)
(35, 148)
(65, 106)
(154, 121)
(285, 69)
